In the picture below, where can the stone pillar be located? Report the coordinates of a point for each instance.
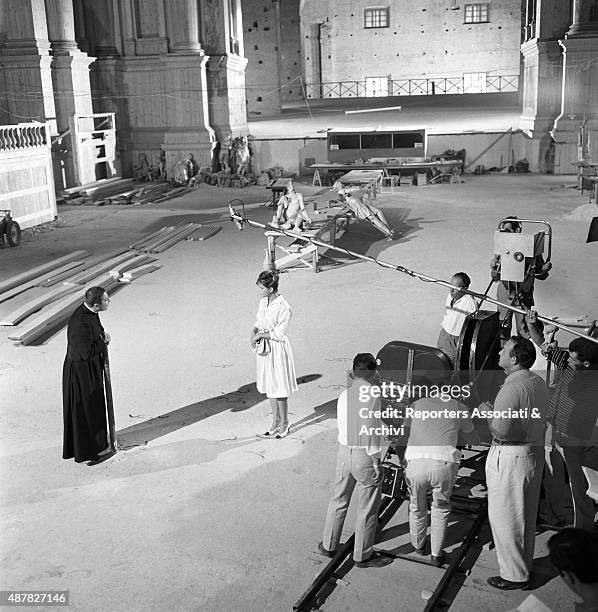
(101, 24)
(162, 69)
(183, 26)
(222, 39)
(26, 91)
(70, 76)
(546, 22)
(577, 123)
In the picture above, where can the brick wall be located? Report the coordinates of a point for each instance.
(424, 39)
(266, 88)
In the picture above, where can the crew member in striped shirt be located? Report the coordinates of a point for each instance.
(573, 416)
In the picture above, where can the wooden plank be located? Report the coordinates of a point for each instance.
(137, 272)
(22, 278)
(176, 238)
(136, 262)
(171, 230)
(87, 275)
(141, 242)
(58, 313)
(75, 190)
(67, 270)
(36, 304)
(15, 291)
(295, 258)
(203, 232)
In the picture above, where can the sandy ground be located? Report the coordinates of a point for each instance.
(196, 513)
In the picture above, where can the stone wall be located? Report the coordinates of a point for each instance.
(424, 39)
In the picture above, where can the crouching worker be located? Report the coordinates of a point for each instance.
(432, 463)
(358, 466)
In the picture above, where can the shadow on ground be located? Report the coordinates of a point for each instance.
(241, 399)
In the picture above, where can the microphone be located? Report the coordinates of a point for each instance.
(233, 217)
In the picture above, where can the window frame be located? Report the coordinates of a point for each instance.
(375, 14)
(479, 12)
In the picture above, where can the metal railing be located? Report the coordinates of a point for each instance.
(493, 83)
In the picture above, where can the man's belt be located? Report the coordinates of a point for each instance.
(510, 443)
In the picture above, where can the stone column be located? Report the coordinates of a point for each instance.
(70, 76)
(226, 68)
(183, 26)
(101, 27)
(577, 122)
(26, 91)
(546, 22)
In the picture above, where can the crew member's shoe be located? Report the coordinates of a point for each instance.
(438, 561)
(376, 560)
(324, 552)
(505, 585)
(422, 549)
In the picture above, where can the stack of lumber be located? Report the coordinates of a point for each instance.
(120, 191)
(58, 313)
(165, 237)
(59, 285)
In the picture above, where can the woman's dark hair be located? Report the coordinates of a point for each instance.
(364, 361)
(268, 279)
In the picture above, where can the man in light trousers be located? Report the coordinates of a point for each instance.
(515, 463)
(432, 464)
(358, 466)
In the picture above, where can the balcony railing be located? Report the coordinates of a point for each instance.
(23, 136)
(465, 84)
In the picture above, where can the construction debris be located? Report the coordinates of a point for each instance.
(120, 191)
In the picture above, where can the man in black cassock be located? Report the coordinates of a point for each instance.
(83, 399)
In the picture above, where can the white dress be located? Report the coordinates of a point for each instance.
(276, 370)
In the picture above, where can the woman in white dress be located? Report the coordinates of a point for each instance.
(275, 366)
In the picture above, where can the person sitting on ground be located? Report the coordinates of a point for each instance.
(574, 553)
(368, 212)
(291, 213)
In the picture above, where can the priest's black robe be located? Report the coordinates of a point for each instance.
(83, 400)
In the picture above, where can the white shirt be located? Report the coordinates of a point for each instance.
(437, 437)
(355, 430)
(456, 313)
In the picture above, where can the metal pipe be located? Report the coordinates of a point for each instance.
(423, 277)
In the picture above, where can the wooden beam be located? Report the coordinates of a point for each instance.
(15, 291)
(36, 304)
(136, 262)
(68, 269)
(58, 313)
(147, 246)
(87, 275)
(141, 242)
(181, 235)
(137, 272)
(22, 278)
